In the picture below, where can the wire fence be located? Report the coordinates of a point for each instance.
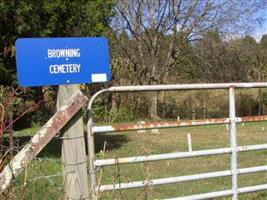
(41, 179)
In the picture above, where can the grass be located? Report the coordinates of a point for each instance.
(172, 140)
(169, 140)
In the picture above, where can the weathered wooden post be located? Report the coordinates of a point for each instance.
(41, 139)
(73, 150)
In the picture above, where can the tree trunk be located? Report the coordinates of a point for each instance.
(204, 105)
(153, 105)
(260, 110)
(164, 104)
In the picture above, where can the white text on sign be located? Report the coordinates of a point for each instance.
(64, 68)
(63, 53)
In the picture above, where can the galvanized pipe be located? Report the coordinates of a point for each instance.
(158, 157)
(91, 101)
(91, 152)
(252, 188)
(162, 181)
(143, 88)
(166, 88)
(232, 131)
(91, 145)
(140, 88)
(152, 125)
(204, 196)
(177, 155)
(173, 124)
(179, 179)
(221, 193)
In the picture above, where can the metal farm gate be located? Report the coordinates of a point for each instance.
(233, 149)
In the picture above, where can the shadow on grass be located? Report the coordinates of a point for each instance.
(53, 148)
(112, 141)
(264, 195)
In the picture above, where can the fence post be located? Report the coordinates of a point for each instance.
(41, 139)
(73, 150)
(91, 153)
(189, 142)
(233, 141)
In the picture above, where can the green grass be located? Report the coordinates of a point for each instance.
(169, 140)
(172, 140)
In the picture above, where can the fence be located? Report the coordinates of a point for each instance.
(233, 149)
(20, 162)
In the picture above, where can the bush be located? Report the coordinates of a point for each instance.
(102, 114)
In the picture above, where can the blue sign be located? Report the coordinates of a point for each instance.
(56, 61)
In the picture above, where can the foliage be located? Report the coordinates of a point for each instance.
(263, 41)
(119, 115)
(47, 19)
(155, 36)
(156, 48)
(44, 19)
(152, 42)
(13, 103)
(102, 115)
(209, 59)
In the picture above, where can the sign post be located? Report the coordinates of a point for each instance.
(66, 62)
(73, 156)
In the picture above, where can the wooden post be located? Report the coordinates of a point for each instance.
(41, 139)
(73, 150)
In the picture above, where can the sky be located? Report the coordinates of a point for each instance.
(257, 34)
(261, 30)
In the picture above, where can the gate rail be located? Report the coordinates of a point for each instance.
(233, 149)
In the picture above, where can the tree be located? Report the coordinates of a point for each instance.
(263, 41)
(261, 72)
(158, 31)
(211, 52)
(59, 18)
(46, 19)
(226, 61)
(236, 60)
